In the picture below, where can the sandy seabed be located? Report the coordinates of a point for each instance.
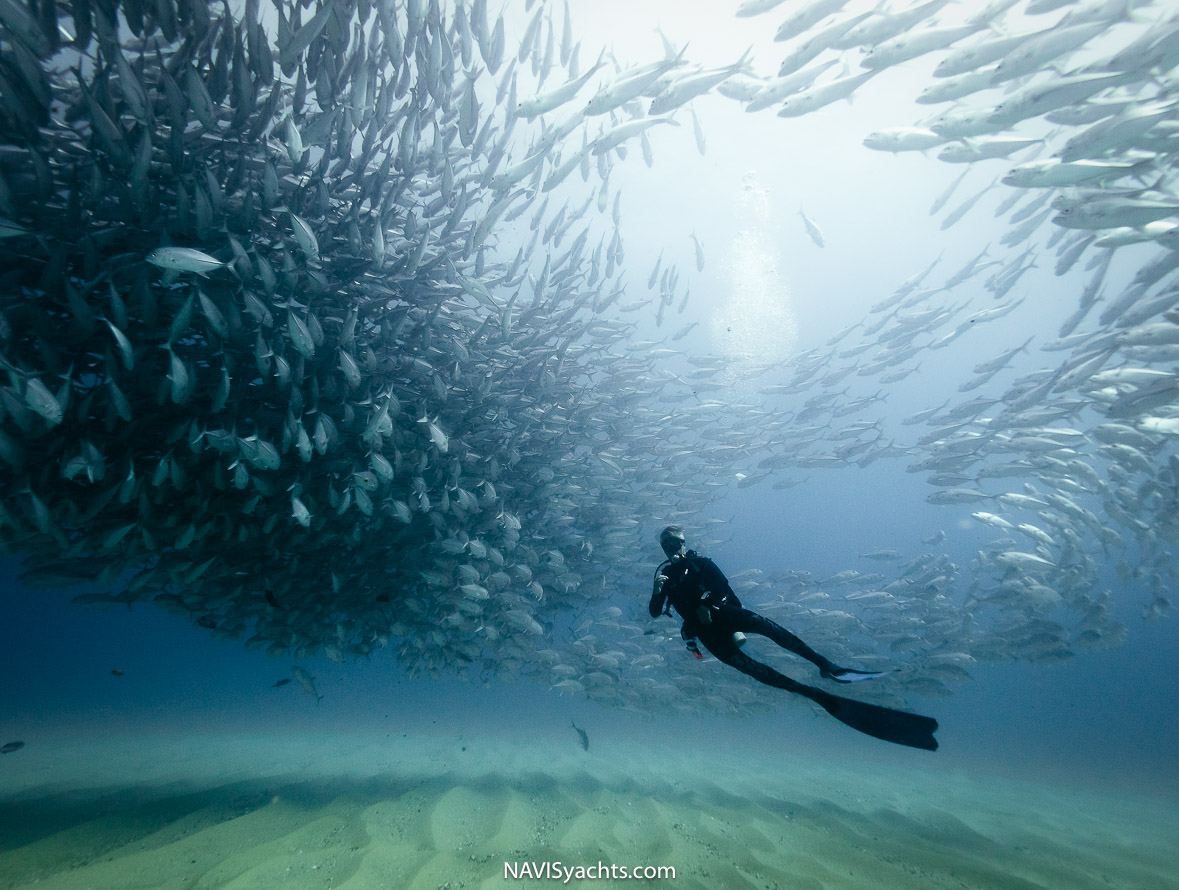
(361, 812)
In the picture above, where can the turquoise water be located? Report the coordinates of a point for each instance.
(357, 810)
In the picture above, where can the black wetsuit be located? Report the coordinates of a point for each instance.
(712, 613)
(701, 594)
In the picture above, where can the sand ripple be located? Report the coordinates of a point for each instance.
(431, 814)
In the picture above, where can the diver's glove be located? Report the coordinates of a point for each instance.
(694, 649)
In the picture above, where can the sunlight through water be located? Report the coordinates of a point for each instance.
(756, 325)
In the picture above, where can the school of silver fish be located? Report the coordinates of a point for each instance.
(311, 334)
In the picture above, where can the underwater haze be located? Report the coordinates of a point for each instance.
(356, 353)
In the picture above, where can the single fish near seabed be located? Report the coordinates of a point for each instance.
(581, 735)
(307, 682)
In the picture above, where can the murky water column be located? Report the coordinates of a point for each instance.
(756, 323)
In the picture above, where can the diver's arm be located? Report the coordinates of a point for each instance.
(658, 597)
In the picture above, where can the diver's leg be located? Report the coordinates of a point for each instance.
(746, 620)
(899, 727)
(751, 622)
(725, 650)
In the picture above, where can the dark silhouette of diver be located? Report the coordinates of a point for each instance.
(713, 614)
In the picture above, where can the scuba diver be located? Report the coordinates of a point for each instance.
(714, 616)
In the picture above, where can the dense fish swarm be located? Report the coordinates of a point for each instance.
(276, 361)
(263, 366)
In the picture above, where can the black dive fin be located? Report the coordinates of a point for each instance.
(899, 727)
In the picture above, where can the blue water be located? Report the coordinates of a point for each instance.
(1105, 720)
